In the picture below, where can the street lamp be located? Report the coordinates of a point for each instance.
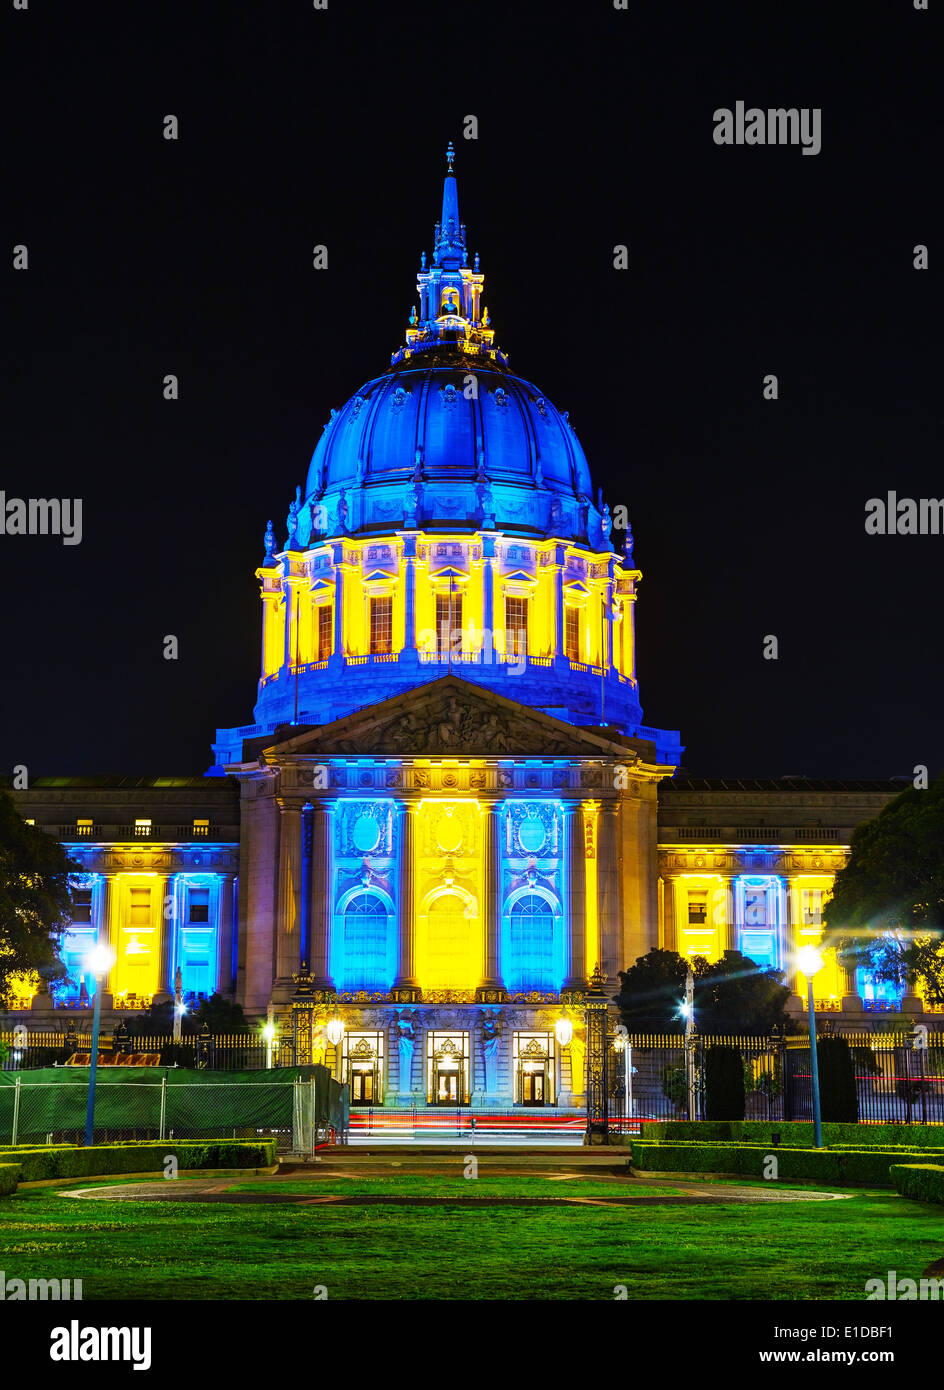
(268, 1033)
(98, 963)
(687, 1010)
(624, 1047)
(811, 962)
(563, 1030)
(334, 1032)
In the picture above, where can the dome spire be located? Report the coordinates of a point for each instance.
(451, 311)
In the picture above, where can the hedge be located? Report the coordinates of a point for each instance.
(922, 1181)
(9, 1177)
(794, 1133)
(847, 1168)
(71, 1161)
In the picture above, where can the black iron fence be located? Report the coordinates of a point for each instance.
(28, 1048)
(899, 1076)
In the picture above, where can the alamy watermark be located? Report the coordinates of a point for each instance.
(778, 125)
(42, 516)
(904, 516)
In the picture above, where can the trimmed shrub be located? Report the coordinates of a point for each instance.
(839, 1097)
(849, 1168)
(40, 1164)
(797, 1133)
(724, 1083)
(924, 1182)
(9, 1177)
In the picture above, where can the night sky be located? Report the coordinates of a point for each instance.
(298, 127)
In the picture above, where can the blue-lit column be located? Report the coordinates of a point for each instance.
(409, 655)
(488, 587)
(304, 915)
(321, 895)
(491, 989)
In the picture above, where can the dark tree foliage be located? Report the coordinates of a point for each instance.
(733, 995)
(887, 907)
(838, 1096)
(724, 1083)
(35, 903)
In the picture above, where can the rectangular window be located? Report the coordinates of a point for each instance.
(449, 621)
(201, 829)
(572, 633)
(198, 900)
(140, 907)
(812, 905)
(325, 631)
(755, 907)
(697, 907)
(516, 625)
(81, 906)
(381, 626)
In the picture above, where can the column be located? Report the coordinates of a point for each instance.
(669, 932)
(305, 895)
(488, 590)
(168, 915)
(608, 895)
(287, 902)
(322, 893)
(577, 890)
(491, 974)
(406, 962)
(338, 600)
(560, 634)
(409, 599)
(224, 927)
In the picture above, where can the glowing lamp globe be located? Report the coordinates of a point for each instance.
(268, 1032)
(809, 961)
(334, 1031)
(99, 961)
(563, 1031)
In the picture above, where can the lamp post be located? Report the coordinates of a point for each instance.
(98, 963)
(334, 1031)
(622, 1044)
(811, 962)
(687, 1010)
(268, 1033)
(563, 1032)
(180, 1007)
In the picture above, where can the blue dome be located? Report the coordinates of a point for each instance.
(480, 444)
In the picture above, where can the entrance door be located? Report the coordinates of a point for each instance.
(533, 1088)
(362, 1086)
(447, 1088)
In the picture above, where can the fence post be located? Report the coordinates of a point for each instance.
(163, 1120)
(16, 1111)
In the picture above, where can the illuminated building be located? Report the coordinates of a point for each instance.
(447, 810)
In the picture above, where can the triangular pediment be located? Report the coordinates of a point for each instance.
(450, 717)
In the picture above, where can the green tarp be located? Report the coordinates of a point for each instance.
(212, 1104)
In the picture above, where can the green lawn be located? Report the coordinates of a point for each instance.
(173, 1250)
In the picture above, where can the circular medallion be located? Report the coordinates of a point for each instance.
(532, 835)
(366, 834)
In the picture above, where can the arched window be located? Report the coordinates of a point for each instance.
(531, 945)
(365, 943)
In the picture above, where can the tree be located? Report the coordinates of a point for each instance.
(838, 1093)
(651, 991)
(887, 908)
(724, 1083)
(733, 995)
(35, 903)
